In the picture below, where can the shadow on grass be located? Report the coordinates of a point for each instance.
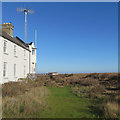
(97, 111)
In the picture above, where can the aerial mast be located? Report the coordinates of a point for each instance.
(26, 12)
(36, 38)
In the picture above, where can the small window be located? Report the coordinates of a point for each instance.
(4, 69)
(5, 47)
(14, 69)
(14, 50)
(24, 70)
(33, 52)
(24, 54)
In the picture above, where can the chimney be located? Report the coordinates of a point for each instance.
(8, 28)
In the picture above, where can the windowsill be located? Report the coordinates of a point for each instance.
(25, 59)
(5, 77)
(15, 77)
(15, 56)
(5, 53)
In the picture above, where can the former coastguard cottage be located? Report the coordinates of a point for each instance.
(17, 58)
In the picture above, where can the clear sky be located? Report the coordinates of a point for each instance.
(71, 37)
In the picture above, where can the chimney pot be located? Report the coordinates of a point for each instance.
(8, 28)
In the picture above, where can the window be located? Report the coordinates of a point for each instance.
(24, 70)
(32, 69)
(35, 68)
(4, 69)
(5, 47)
(24, 54)
(33, 52)
(14, 50)
(14, 69)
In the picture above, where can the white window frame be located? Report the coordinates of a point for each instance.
(14, 70)
(24, 70)
(33, 53)
(35, 68)
(4, 69)
(15, 50)
(5, 46)
(24, 54)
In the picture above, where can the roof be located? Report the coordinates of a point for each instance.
(15, 40)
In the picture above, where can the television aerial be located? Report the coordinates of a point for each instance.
(26, 11)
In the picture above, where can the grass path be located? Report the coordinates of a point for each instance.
(64, 104)
(50, 102)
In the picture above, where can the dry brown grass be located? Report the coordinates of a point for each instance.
(23, 99)
(18, 88)
(89, 91)
(105, 79)
(111, 109)
(13, 88)
(25, 105)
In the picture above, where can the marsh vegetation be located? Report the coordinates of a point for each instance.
(94, 95)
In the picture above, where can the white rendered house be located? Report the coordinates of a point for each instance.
(17, 59)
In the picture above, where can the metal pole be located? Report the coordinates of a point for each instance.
(25, 26)
(35, 37)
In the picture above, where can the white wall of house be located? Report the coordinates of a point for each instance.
(0, 60)
(17, 65)
(32, 58)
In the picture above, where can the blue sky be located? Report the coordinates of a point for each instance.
(71, 37)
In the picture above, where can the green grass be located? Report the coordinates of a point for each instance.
(62, 103)
(50, 102)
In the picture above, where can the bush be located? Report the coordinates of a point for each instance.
(13, 88)
(88, 91)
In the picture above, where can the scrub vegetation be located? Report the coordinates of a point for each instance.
(93, 95)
